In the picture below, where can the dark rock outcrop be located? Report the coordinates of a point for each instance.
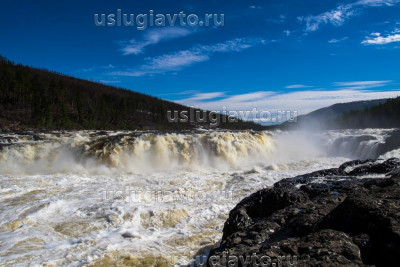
(391, 142)
(347, 216)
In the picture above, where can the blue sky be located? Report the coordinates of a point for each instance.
(272, 55)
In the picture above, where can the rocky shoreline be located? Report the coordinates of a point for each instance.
(347, 216)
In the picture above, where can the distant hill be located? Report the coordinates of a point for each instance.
(323, 118)
(383, 115)
(32, 98)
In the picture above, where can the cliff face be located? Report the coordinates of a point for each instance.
(348, 216)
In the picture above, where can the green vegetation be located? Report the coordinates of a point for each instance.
(325, 118)
(38, 99)
(378, 113)
(384, 115)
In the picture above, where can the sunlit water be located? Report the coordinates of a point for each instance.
(143, 199)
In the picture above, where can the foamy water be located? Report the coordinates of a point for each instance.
(141, 199)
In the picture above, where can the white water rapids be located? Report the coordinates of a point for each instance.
(145, 199)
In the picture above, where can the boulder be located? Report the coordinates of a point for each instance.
(347, 216)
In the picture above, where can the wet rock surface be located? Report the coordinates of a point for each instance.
(391, 142)
(347, 216)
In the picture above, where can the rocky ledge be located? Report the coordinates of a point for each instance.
(347, 216)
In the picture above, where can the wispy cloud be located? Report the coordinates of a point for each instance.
(379, 39)
(97, 68)
(175, 61)
(298, 86)
(341, 13)
(374, 3)
(199, 53)
(109, 81)
(287, 32)
(250, 97)
(153, 37)
(302, 101)
(335, 41)
(281, 19)
(335, 17)
(360, 85)
(206, 96)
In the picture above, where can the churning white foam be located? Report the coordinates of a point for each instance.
(88, 152)
(141, 199)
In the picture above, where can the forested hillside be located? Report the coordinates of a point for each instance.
(384, 115)
(38, 99)
(323, 118)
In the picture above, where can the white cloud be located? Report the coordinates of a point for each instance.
(287, 32)
(296, 86)
(199, 53)
(361, 84)
(96, 68)
(153, 37)
(281, 19)
(254, 7)
(176, 60)
(335, 17)
(109, 81)
(341, 13)
(377, 2)
(301, 101)
(205, 96)
(376, 38)
(334, 41)
(250, 97)
(234, 45)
